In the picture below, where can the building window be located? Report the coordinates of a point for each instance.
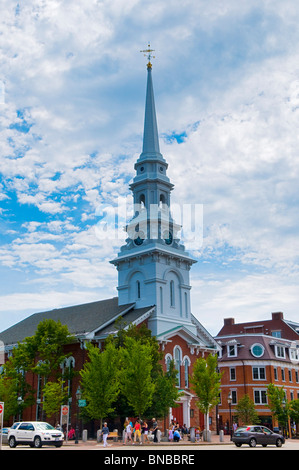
(186, 304)
(168, 360)
(232, 350)
(171, 293)
(257, 350)
(234, 397)
(280, 351)
(275, 373)
(177, 364)
(186, 364)
(161, 299)
(294, 354)
(232, 373)
(282, 375)
(276, 334)
(138, 290)
(290, 375)
(260, 397)
(258, 373)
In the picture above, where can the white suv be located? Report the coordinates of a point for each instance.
(34, 433)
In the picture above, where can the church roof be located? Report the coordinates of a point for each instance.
(81, 320)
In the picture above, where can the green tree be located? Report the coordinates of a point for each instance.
(294, 412)
(245, 411)
(53, 397)
(166, 392)
(40, 354)
(205, 382)
(136, 380)
(100, 381)
(278, 405)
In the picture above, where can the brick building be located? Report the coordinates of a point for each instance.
(254, 354)
(153, 284)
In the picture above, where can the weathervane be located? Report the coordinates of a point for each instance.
(148, 53)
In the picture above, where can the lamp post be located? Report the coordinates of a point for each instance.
(78, 397)
(20, 403)
(229, 401)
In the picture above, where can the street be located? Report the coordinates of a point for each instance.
(290, 444)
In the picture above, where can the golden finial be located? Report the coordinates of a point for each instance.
(148, 53)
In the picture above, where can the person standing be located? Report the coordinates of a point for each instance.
(105, 433)
(155, 429)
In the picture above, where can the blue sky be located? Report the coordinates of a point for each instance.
(226, 80)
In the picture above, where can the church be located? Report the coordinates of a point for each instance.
(153, 287)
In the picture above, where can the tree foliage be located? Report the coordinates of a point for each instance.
(205, 382)
(100, 381)
(39, 354)
(136, 379)
(278, 404)
(246, 412)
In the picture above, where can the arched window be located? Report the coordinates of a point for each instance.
(186, 304)
(161, 299)
(138, 290)
(142, 201)
(186, 370)
(162, 201)
(172, 300)
(177, 363)
(168, 360)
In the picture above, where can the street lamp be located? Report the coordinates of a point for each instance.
(229, 401)
(78, 397)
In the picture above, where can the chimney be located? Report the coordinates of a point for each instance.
(277, 316)
(229, 321)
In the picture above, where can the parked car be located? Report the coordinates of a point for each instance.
(4, 435)
(253, 435)
(35, 434)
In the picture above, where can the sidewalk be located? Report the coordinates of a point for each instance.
(215, 439)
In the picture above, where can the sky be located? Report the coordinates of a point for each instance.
(72, 97)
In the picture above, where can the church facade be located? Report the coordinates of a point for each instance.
(154, 284)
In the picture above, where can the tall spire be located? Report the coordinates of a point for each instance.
(151, 146)
(150, 134)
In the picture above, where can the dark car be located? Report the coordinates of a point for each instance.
(253, 435)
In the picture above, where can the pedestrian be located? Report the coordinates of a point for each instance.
(128, 431)
(105, 433)
(145, 431)
(137, 432)
(155, 429)
(184, 430)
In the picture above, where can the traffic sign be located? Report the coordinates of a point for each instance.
(64, 410)
(1, 407)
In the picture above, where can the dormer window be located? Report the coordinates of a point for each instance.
(232, 350)
(280, 351)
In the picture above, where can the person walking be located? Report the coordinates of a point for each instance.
(137, 432)
(128, 432)
(105, 433)
(145, 431)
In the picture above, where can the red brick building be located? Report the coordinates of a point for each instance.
(254, 354)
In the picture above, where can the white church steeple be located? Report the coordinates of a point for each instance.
(153, 267)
